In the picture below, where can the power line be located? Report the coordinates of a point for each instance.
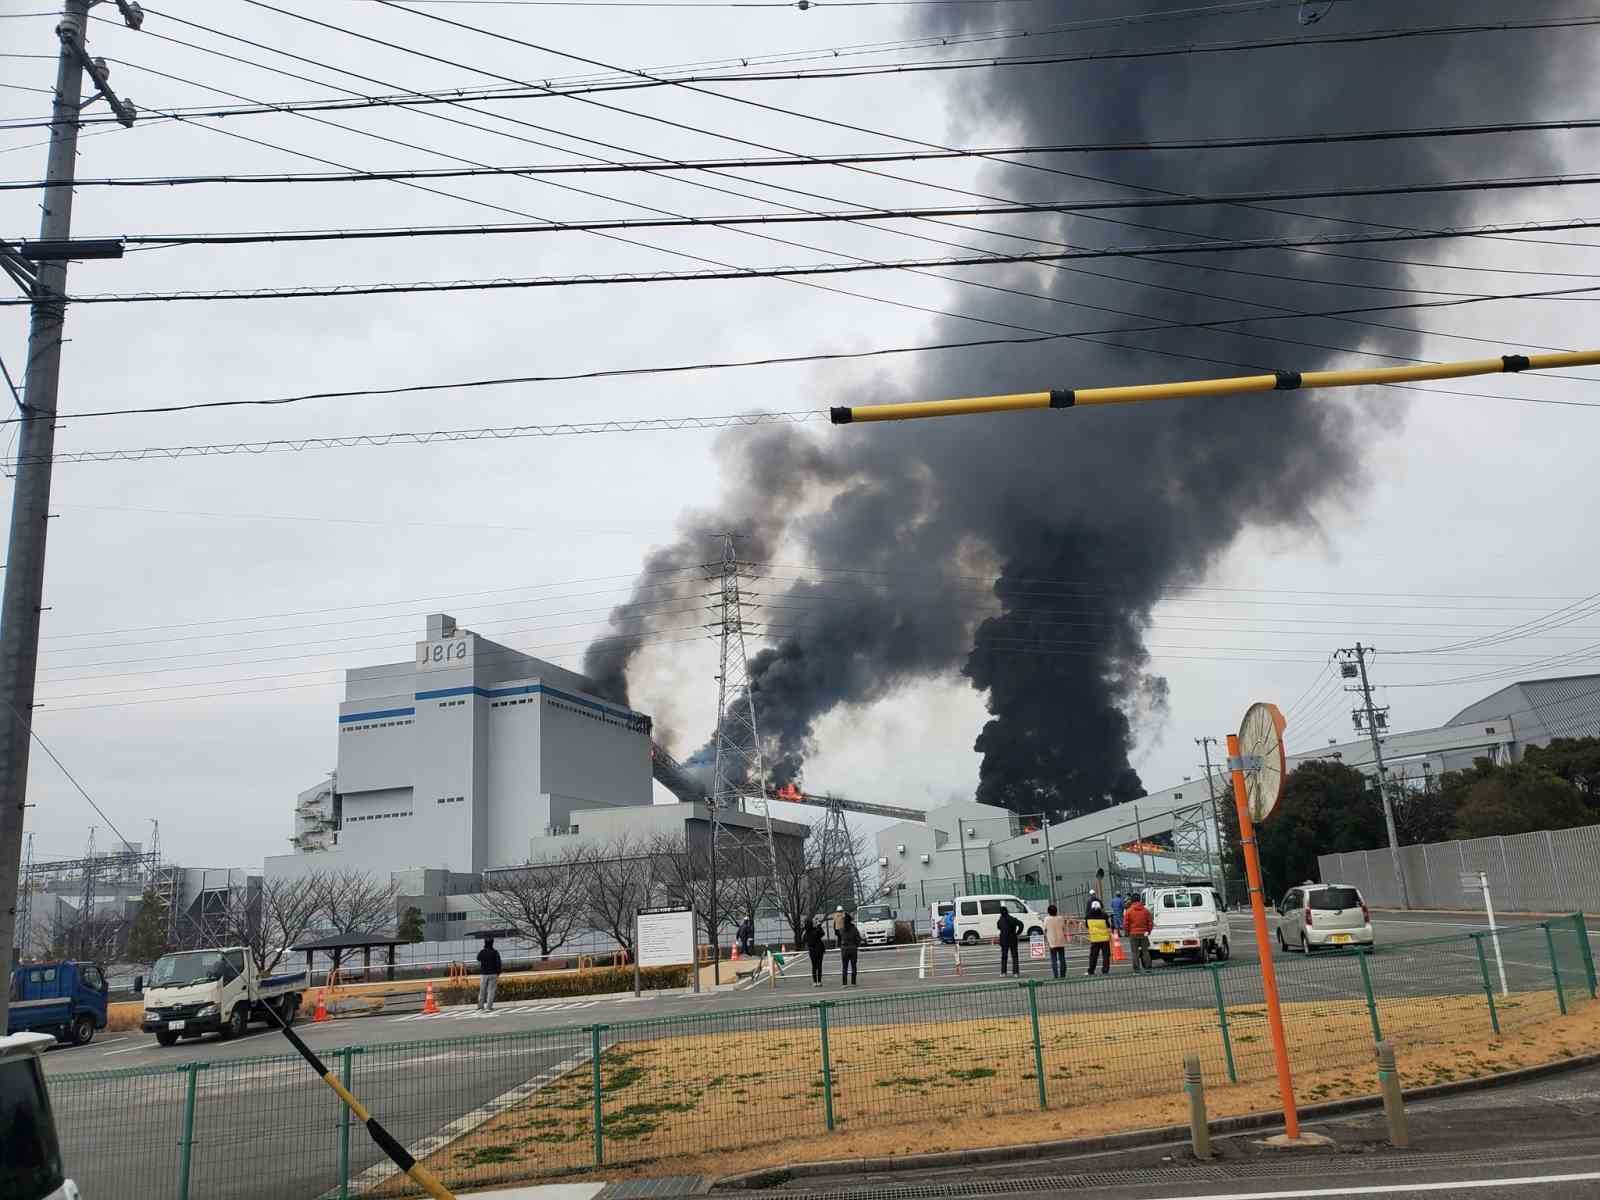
(275, 237)
(652, 78)
(314, 291)
(657, 166)
(684, 368)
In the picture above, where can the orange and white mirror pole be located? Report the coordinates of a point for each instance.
(1276, 381)
(1258, 911)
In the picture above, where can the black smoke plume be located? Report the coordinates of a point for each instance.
(1026, 552)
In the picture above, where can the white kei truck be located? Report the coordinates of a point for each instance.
(195, 992)
(1188, 923)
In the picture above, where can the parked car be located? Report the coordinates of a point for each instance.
(66, 999)
(30, 1168)
(1316, 915)
(977, 917)
(1188, 923)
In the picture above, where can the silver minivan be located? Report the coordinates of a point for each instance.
(1318, 915)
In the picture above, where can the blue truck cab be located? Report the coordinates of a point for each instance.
(66, 999)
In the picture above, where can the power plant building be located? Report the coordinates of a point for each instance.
(461, 759)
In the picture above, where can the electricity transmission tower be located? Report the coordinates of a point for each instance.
(1372, 720)
(739, 773)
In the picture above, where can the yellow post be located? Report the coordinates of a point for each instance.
(1258, 911)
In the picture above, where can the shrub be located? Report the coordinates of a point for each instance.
(575, 983)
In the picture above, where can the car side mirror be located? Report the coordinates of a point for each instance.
(138, 983)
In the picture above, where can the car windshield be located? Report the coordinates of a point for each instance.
(180, 970)
(874, 912)
(1334, 898)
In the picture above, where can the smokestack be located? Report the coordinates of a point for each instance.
(1026, 553)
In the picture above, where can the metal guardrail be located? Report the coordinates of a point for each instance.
(491, 1109)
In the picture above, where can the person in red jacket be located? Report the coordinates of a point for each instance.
(1138, 923)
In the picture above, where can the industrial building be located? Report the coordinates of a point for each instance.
(461, 759)
(1499, 727)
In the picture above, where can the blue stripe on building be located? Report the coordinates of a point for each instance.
(622, 714)
(379, 715)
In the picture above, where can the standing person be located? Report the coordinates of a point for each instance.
(1055, 937)
(811, 939)
(1118, 907)
(747, 937)
(839, 918)
(1099, 935)
(1139, 923)
(488, 975)
(849, 950)
(1008, 927)
(947, 928)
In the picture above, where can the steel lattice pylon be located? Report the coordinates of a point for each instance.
(1191, 841)
(739, 767)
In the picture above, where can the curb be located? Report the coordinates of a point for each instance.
(1138, 1139)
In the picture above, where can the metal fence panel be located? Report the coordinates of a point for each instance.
(1547, 871)
(488, 1110)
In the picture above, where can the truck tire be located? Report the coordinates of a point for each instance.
(82, 1031)
(291, 1008)
(237, 1020)
(166, 1037)
(970, 938)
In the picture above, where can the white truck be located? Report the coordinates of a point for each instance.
(877, 924)
(215, 991)
(1188, 924)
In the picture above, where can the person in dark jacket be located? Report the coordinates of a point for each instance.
(747, 936)
(849, 951)
(811, 939)
(1099, 926)
(488, 975)
(1008, 928)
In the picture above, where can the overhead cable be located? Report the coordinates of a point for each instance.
(1220, 246)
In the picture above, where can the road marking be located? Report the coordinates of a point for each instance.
(128, 1050)
(1386, 1189)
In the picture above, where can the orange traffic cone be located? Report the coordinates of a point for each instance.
(322, 1006)
(735, 956)
(1118, 954)
(429, 1004)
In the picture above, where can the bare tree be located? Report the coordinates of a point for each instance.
(682, 874)
(813, 876)
(617, 878)
(544, 901)
(268, 920)
(96, 937)
(352, 901)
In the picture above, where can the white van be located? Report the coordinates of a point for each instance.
(937, 911)
(977, 917)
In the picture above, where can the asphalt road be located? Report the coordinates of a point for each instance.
(262, 1115)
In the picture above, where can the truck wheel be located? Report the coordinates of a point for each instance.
(290, 1009)
(237, 1019)
(82, 1029)
(970, 938)
(166, 1037)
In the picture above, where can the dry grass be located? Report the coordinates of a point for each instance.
(124, 1015)
(718, 1104)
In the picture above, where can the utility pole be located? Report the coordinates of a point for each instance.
(23, 599)
(1372, 720)
(1205, 744)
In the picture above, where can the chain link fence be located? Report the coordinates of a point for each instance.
(481, 1111)
(1553, 870)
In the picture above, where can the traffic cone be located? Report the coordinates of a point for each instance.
(734, 957)
(429, 1004)
(322, 1006)
(1118, 954)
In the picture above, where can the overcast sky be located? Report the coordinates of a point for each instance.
(201, 611)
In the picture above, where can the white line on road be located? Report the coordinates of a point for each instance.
(1389, 1189)
(128, 1050)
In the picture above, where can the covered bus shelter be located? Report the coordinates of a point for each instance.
(338, 946)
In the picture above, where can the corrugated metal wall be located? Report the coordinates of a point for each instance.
(1550, 871)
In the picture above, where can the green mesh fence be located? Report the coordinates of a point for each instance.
(482, 1111)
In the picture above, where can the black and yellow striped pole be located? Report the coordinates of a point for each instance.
(1277, 381)
(398, 1154)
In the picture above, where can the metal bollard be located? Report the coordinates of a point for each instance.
(1195, 1085)
(1394, 1105)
